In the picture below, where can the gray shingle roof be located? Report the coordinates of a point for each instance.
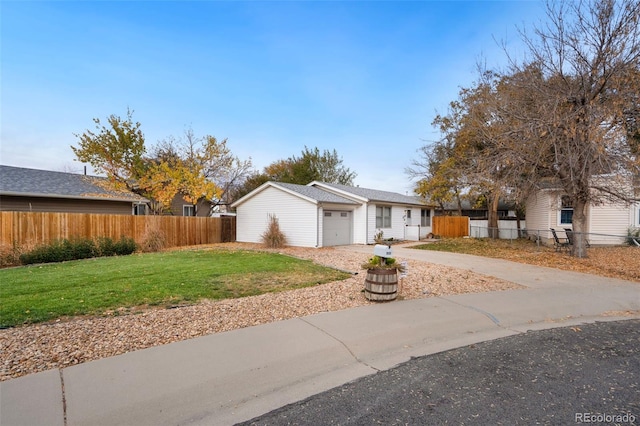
(315, 193)
(377, 195)
(45, 183)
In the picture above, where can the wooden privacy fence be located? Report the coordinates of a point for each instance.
(451, 226)
(26, 229)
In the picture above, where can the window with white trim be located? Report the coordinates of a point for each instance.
(188, 210)
(383, 217)
(139, 209)
(425, 217)
(566, 210)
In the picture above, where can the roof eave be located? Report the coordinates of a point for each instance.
(273, 185)
(73, 197)
(346, 194)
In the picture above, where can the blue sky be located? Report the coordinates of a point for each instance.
(364, 78)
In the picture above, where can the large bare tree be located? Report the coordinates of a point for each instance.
(571, 99)
(567, 113)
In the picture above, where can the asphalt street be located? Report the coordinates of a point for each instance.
(586, 374)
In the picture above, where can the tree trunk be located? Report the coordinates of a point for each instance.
(494, 199)
(579, 221)
(459, 205)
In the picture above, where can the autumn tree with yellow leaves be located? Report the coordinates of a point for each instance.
(194, 168)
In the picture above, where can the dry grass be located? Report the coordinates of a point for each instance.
(615, 262)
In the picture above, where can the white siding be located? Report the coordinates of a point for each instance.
(361, 226)
(397, 230)
(297, 217)
(608, 223)
(539, 212)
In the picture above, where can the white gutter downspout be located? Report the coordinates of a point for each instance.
(318, 226)
(366, 228)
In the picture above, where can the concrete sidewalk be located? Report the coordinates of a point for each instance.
(234, 376)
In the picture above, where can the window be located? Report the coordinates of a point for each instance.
(383, 217)
(139, 209)
(566, 211)
(188, 210)
(425, 217)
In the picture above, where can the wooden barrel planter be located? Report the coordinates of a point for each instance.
(381, 284)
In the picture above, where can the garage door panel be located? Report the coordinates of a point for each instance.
(336, 228)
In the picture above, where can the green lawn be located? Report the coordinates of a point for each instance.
(88, 287)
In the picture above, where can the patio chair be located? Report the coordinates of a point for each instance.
(569, 233)
(559, 244)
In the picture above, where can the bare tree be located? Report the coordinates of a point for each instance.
(567, 114)
(570, 105)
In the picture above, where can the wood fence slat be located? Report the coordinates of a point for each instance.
(451, 226)
(28, 229)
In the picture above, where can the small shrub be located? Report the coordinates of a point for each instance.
(106, 246)
(125, 246)
(273, 237)
(77, 248)
(80, 248)
(633, 234)
(45, 253)
(377, 262)
(153, 241)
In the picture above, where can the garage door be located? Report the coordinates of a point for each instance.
(336, 229)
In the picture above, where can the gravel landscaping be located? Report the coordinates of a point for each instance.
(33, 348)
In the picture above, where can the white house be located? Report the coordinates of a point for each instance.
(607, 222)
(325, 214)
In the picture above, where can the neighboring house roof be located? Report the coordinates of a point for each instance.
(466, 205)
(372, 194)
(18, 181)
